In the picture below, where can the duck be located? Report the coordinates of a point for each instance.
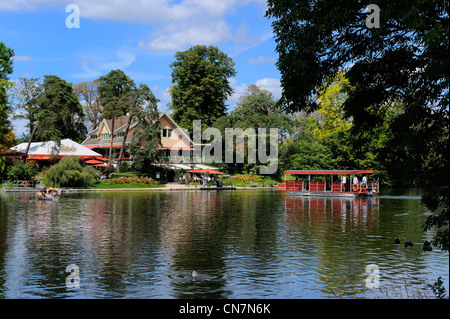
(427, 246)
(194, 274)
(396, 241)
(409, 244)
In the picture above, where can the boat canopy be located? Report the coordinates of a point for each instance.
(327, 172)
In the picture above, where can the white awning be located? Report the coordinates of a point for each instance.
(67, 148)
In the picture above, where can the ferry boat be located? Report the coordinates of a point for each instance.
(331, 183)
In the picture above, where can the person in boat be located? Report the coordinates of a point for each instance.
(364, 181)
(355, 181)
(344, 182)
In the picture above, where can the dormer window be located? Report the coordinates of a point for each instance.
(167, 132)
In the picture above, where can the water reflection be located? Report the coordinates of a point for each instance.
(335, 230)
(244, 244)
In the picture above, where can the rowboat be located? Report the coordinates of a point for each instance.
(333, 183)
(41, 196)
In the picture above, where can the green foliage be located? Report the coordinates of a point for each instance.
(6, 61)
(27, 93)
(112, 91)
(70, 173)
(60, 113)
(305, 150)
(147, 134)
(22, 171)
(113, 94)
(438, 289)
(404, 61)
(201, 88)
(6, 134)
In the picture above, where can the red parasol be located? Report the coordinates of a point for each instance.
(101, 165)
(93, 162)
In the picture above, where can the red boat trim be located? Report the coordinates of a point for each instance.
(327, 172)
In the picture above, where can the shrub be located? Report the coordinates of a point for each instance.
(22, 171)
(70, 173)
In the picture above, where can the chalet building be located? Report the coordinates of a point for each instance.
(175, 149)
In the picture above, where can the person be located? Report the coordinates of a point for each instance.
(344, 182)
(364, 181)
(355, 180)
(218, 182)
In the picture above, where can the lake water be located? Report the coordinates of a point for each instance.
(243, 244)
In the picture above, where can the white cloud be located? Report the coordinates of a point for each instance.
(261, 60)
(270, 84)
(21, 58)
(94, 68)
(178, 36)
(179, 24)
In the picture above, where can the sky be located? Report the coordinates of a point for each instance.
(139, 37)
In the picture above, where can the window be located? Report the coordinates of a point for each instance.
(104, 136)
(167, 132)
(93, 136)
(121, 134)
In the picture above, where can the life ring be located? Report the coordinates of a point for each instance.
(355, 187)
(25, 184)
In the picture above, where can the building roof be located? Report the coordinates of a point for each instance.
(120, 125)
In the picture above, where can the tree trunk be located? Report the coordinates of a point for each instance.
(119, 162)
(29, 141)
(111, 138)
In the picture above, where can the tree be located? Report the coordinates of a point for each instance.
(201, 88)
(6, 61)
(27, 93)
(68, 172)
(147, 134)
(113, 91)
(87, 93)
(6, 68)
(256, 109)
(404, 61)
(60, 113)
(138, 99)
(304, 150)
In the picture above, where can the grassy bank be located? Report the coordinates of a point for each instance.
(104, 185)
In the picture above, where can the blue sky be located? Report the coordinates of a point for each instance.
(139, 37)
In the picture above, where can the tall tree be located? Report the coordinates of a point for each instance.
(60, 113)
(256, 109)
(27, 93)
(88, 95)
(6, 68)
(113, 92)
(147, 134)
(404, 60)
(200, 85)
(140, 98)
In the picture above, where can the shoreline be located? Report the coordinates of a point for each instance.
(175, 188)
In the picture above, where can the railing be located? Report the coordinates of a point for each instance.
(24, 184)
(371, 185)
(321, 186)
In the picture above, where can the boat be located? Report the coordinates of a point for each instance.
(330, 183)
(46, 197)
